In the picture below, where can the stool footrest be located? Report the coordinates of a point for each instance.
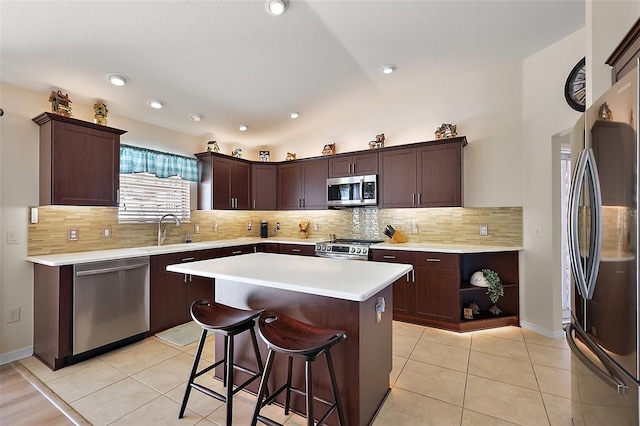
(209, 368)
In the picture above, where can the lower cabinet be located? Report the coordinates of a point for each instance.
(297, 249)
(438, 289)
(172, 294)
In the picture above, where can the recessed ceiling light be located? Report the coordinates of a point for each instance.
(294, 114)
(116, 79)
(388, 69)
(196, 117)
(275, 7)
(155, 103)
(242, 127)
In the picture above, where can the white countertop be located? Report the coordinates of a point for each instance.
(445, 248)
(339, 278)
(114, 254)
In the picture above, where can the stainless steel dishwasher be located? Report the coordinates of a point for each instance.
(110, 302)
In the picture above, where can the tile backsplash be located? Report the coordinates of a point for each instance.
(433, 225)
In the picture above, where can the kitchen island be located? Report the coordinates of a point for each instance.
(332, 293)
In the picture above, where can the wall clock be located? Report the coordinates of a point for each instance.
(575, 89)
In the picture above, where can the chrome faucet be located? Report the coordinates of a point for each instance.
(162, 230)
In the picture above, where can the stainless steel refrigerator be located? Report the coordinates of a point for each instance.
(603, 246)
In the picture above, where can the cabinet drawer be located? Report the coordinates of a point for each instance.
(298, 249)
(391, 256)
(436, 260)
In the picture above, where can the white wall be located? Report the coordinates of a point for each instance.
(544, 114)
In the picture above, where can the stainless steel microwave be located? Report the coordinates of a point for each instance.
(352, 191)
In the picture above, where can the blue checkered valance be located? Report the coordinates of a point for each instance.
(135, 160)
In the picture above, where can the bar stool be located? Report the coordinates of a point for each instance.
(294, 338)
(228, 322)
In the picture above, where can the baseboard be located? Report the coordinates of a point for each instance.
(16, 355)
(559, 334)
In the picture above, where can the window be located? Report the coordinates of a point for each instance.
(145, 198)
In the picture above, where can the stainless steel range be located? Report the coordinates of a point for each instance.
(346, 248)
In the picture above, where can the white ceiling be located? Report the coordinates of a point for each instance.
(235, 64)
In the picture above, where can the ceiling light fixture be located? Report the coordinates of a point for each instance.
(294, 114)
(196, 117)
(116, 79)
(275, 7)
(155, 103)
(388, 69)
(243, 127)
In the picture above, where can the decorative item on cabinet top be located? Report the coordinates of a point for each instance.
(290, 156)
(212, 146)
(100, 113)
(446, 131)
(378, 143)
(265, 156)
(329, 149)
(60, 104)
(237, 153)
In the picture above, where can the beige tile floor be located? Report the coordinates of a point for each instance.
(503, 376)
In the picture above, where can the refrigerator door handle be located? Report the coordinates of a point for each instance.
(611, 379)
(585, 275)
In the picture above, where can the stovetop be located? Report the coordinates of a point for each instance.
(353, 241)
(351, 248)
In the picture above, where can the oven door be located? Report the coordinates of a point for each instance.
(352, 191)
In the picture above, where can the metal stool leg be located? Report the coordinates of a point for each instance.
(229, 378)
(334, 385)
(288, 397)
(263, 387)
(309, 376)
(194, 370)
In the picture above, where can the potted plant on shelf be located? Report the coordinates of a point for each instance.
(494, 289)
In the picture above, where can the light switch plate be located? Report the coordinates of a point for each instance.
(33, 214)
(106, 232)
(196, 229)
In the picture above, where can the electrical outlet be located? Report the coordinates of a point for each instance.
(106, 232)
(196, 229)
(414, 228)
(73, 234)
(484, 230)
(248, 226)
(215, 227)
(33, 214)
(14, 315)
(316, 227)
(538, 231)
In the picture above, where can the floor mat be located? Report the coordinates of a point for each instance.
(182, 335)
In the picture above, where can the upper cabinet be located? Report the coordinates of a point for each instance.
(353, 165)
(79, 162)
(264, 187)
(626, 55)
(225, 182)
(428, 175)
(302, 185)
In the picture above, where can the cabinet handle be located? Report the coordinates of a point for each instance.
(413, 199)
(117, 196)
(419, 198)
(237, 252)
(295, 250)
(389, 257)
(303, 202)
(188, 259)
(413, 275)
(185, 278)
(434, 260)
(299, 202)
(254, 203)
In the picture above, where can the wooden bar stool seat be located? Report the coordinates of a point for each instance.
(228, 322)
(294, 338)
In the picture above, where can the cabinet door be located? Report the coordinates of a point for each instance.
(222, 183)
(402, 287)
(167, 300)
(436, 295)
(314, 178)
(84, 166)
(340, 166)
(263, 191)
(398, 178)
(365, 164)
(241, 184)
(200, 287)
(439, 182)
(289, 186)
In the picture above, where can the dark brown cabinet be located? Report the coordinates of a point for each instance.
(264, 186)
(625, 57)
(438, 289)
(353, 165)
(613, 145)
(302, 185)
(428, 175)
(172, 294)
(403, 286)
(225, 182)
(79, 162)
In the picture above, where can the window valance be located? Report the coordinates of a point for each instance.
(161, 164)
